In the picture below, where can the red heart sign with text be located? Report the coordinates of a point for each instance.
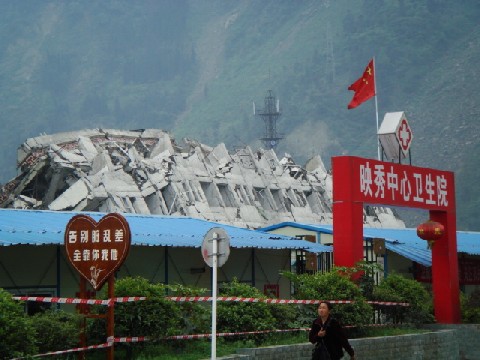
(97, 250)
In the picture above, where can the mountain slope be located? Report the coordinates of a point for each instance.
(193, 68)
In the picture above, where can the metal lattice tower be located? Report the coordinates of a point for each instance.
(270, 115)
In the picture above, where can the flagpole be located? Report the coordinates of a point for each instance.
(376, 109)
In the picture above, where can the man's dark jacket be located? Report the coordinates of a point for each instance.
(334, 339)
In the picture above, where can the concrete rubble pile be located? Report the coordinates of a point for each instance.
(147, 172)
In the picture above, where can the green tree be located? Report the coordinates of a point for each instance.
(241, 316)
(333, 285)
(196, 317)
(56, 330)
(397, 288)
(17, 335)
(471, 307)
(155, 317)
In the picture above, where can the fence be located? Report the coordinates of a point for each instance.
(444, 342)
(109, 302)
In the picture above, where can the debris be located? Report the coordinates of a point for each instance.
(145, 171)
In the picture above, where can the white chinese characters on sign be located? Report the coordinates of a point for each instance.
(387, 182)
(97, 249)
(108, 254)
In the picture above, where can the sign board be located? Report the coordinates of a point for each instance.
(215, 252)
(375, 182)
(223, 246)
(357, 181)
(311, 262)
(379, 246)
(271, 290)
(311, 259)
(97, 250)
(395, 134)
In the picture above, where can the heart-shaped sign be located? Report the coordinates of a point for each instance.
(97, 250)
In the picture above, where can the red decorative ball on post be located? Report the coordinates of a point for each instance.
(430, 231)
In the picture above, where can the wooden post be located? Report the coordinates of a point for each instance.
(83, 323)
(110, 317)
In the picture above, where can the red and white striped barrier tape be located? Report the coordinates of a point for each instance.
(109, 343)
(136, 339)
(273, 301)
(248, 300)
(388, 303)
(129, 299)
(62, 300)
(192, 299)
(79, 301)
(131, 339)
(203, 336)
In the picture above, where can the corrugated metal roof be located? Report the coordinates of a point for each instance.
(403, 241)
(406, 243)
(326, 229)
(36, 227)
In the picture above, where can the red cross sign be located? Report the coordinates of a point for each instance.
(404, 135)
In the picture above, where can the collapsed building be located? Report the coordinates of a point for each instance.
(147, 172)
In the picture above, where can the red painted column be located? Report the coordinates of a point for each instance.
(347, 215)
(347, 233)
(445, 280)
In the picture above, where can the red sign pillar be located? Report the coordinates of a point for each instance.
(357, 181)
(347, 216)
(348, 233)
(445, 280)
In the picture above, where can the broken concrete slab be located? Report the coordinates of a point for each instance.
(70, 197)
(146, 171)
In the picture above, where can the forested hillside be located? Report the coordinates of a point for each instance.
(195, 67)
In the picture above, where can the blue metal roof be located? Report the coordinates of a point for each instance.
(326, 229)
(39, 227)
(403, 241)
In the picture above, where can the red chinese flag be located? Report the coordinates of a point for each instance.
(364, 87)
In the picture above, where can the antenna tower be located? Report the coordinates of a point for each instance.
(270, 115)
